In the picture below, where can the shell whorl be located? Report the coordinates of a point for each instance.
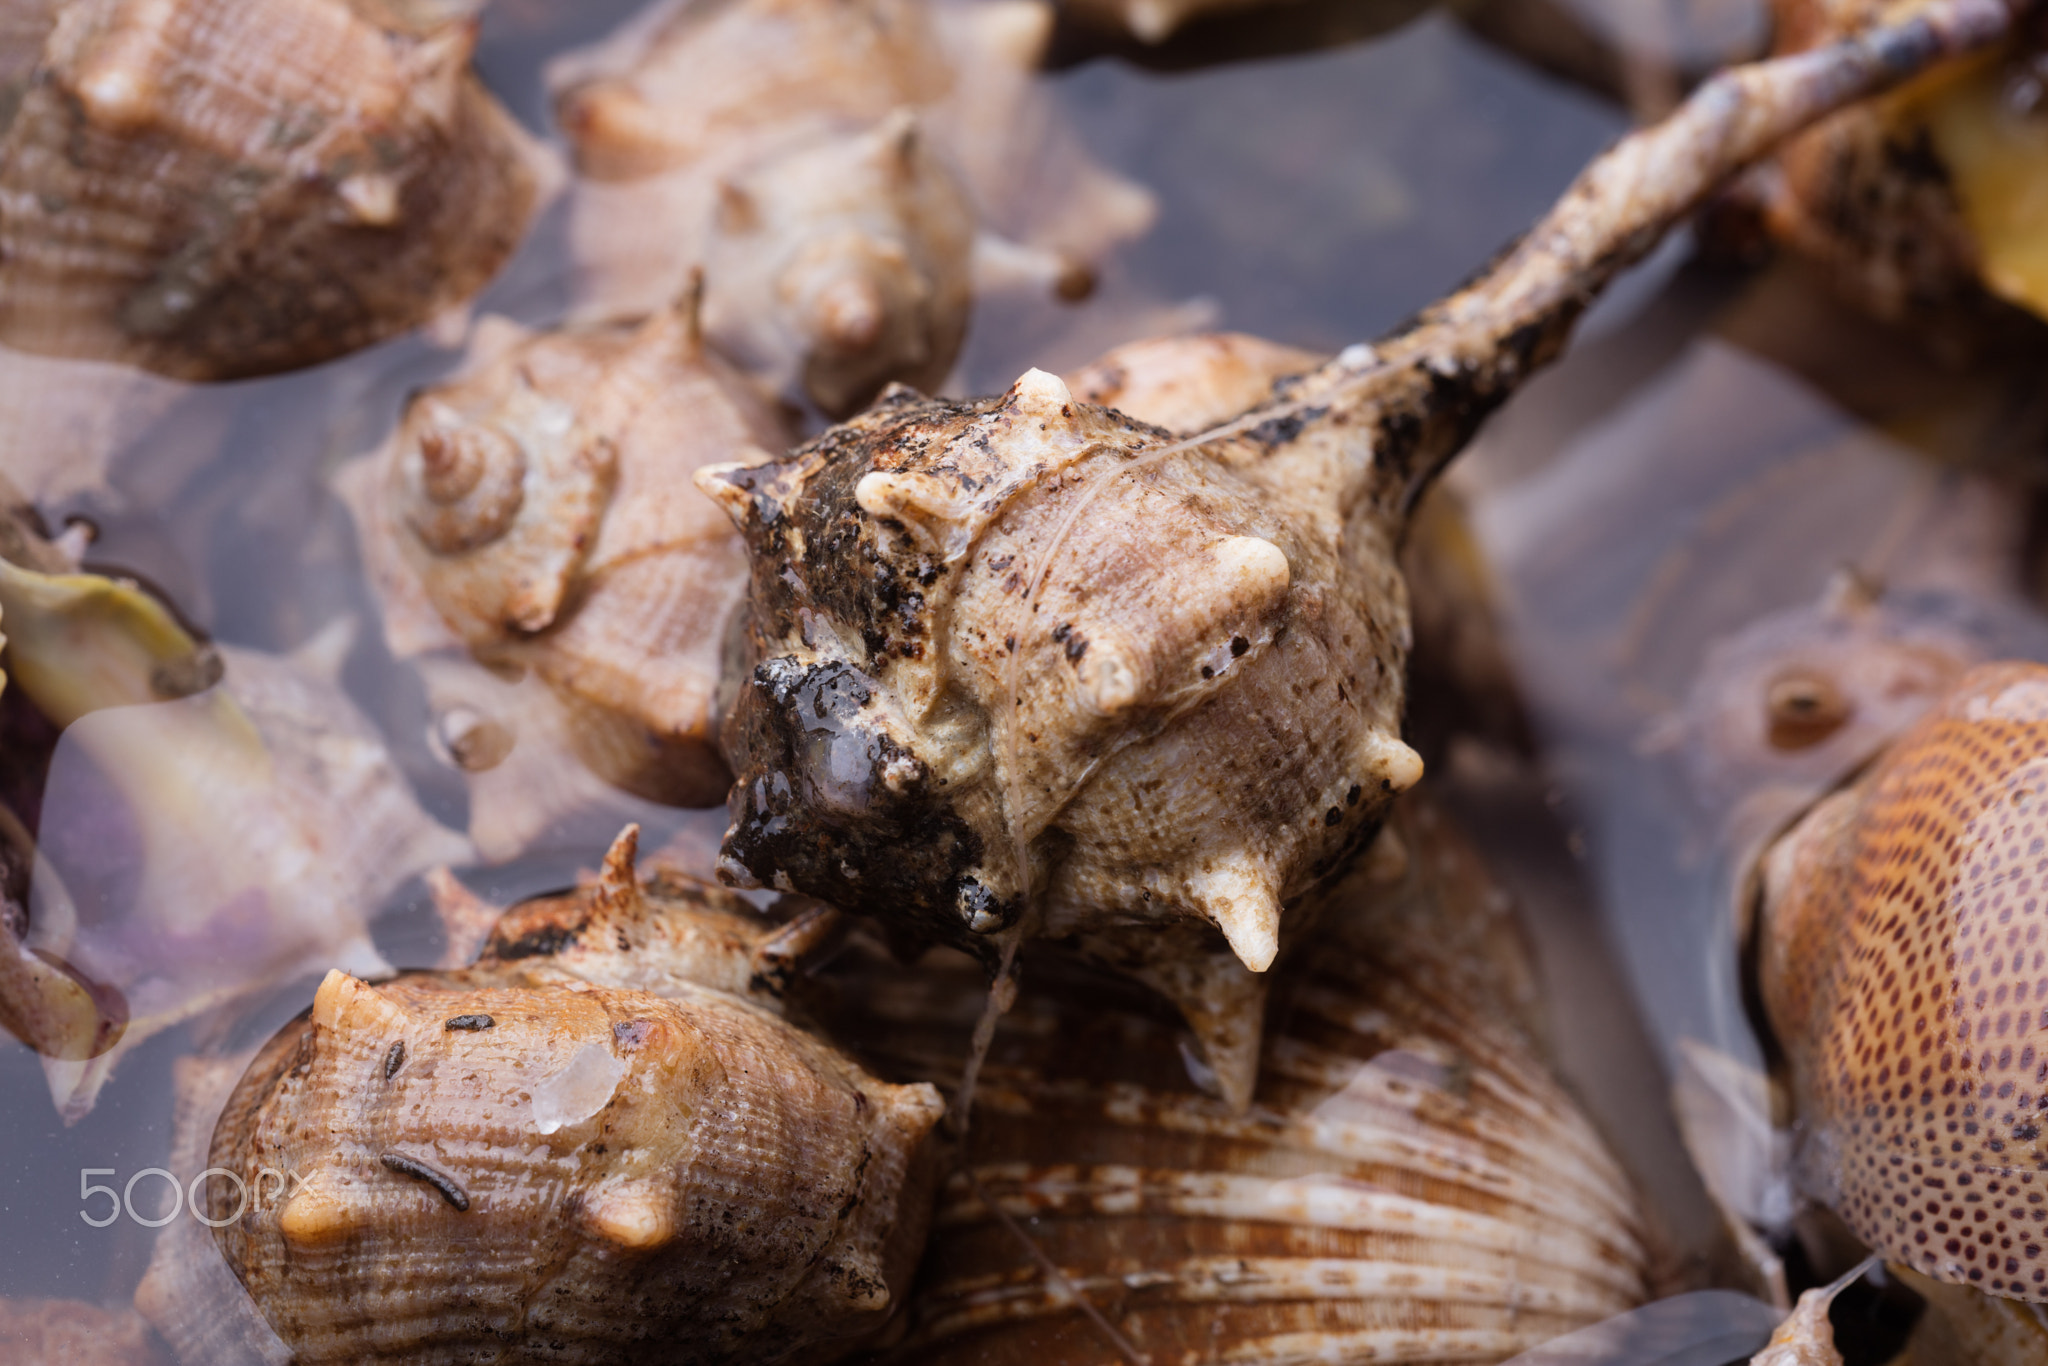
(558, 1166)
(467, 481)
(1904, 974)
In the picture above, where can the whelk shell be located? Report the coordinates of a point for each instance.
(846, 172)
(212, 189)
(601, 1143)
(538, 510)
(988, 644)
(1410, 1182)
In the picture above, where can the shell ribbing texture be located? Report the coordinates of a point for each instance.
(1905, 972)
(1410, 1184)
(213, 189)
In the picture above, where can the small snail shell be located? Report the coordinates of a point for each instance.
(254, 186)
(539, 508)
(1902, 973)
(72, 1333)
(869, 281)
(846, 173)
(541, 1160)
(1410, 1183)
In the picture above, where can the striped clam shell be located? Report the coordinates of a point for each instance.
(1411, 1184)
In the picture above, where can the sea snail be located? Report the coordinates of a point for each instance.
(849, 173)
(218, 188)
(602, 1143)
(1028, 665)
(537, 510)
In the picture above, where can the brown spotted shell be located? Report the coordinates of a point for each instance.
(538, 509)
(213, 188)
(1904, 971)
(1409, 1184)
(570, 1154)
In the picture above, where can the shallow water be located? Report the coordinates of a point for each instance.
(1694, 465)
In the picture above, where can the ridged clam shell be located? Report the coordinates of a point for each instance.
(212, 189)
(576, 1151)
(1410, 1182)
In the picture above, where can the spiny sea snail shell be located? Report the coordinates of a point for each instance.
(521, 1162)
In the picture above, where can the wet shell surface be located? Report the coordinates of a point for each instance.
(987, 630)
(847, 173)
(1410, 1183)
(602, 1143)
(1901, 974)
(213, 189)
(538, 510)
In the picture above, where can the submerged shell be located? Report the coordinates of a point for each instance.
(72, 1333)
(538, 509)
(876, 289)
(578, 1151)
(1901, 974)
(765, 141)
(215, 822)
(213, 189)
(1409, 1184)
